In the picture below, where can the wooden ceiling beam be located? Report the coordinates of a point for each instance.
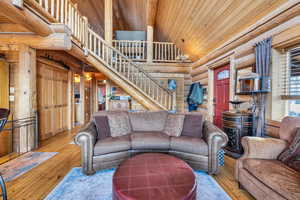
(9, 27)
(25, 18)
(55, 41)
(151, 12)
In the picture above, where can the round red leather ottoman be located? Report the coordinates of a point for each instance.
(152, 176)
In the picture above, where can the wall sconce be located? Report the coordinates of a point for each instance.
(76, 78)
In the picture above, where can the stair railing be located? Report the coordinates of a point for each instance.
(64, 11)
(130, 71)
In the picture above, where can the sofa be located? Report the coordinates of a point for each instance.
(261, 171)
(112, 137)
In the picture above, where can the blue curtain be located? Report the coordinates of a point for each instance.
(263, 51)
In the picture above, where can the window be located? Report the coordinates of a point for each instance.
(223, 75)
(291, 82)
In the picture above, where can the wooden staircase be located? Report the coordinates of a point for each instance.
(103, 56)
(128, 75)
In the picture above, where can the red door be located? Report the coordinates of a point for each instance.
(221, 93)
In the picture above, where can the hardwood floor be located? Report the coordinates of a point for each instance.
(38, 182)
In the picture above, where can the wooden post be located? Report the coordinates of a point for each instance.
(25, 95)
(108, 94)
(108, 22)
(95, 94)
(82, 99)
(70, 96)
(232, 80)
(210, 104)
(149, 44)
(174, 103)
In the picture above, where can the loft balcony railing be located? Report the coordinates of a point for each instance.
(137, 50)
(66, 12)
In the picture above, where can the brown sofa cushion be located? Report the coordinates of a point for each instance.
(276, 175)
(291, 156)
(288, 127)
(112, 145)
(149, 141)
(193, 125)
(119, 123)
(102, 125)
(174, 125)
(189, 145)
(148, 121)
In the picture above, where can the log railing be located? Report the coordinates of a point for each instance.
(134, 50)
(166, 52)
(118, 59)
(65, 12)
(129, 71)
(137, 50)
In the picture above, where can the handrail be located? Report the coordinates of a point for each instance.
(64, 11)
(127, 59)
(118, 62)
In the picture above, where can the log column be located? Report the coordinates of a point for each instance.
(149, 44)
(25, 95)
(108, 94)
(108, 20)
(82, 99)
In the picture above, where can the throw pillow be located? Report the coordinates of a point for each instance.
(174, 125)
(102, 126)
(291, 156)
(119, 124)
(192, 125)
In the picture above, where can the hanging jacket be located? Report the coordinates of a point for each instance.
(195, 96)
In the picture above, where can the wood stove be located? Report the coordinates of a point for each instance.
(236, 125)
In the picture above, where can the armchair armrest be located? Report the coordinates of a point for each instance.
(86, 139)
(260, 148)
(216, 139)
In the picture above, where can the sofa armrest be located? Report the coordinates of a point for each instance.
(260, 148)
(86, 139)
(216, 139)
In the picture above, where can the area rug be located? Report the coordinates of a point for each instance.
(16, 167)
(78, 186)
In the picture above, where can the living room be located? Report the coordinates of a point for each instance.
(149, 99)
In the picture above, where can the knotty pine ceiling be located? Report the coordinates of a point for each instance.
(196, 26)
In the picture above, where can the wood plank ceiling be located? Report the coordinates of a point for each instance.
(199, 26)
(196, 26)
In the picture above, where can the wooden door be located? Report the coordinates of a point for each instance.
(5, 136)
(221, 93)
(52, 99)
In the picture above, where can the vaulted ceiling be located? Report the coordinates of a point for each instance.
(196, 26)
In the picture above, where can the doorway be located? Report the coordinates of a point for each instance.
(5, 136)
(221, 93)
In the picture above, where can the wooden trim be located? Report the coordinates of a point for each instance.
(290, 97)
(51, 63)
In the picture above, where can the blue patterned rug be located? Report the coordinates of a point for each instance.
(19, 166)
(77, 186)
